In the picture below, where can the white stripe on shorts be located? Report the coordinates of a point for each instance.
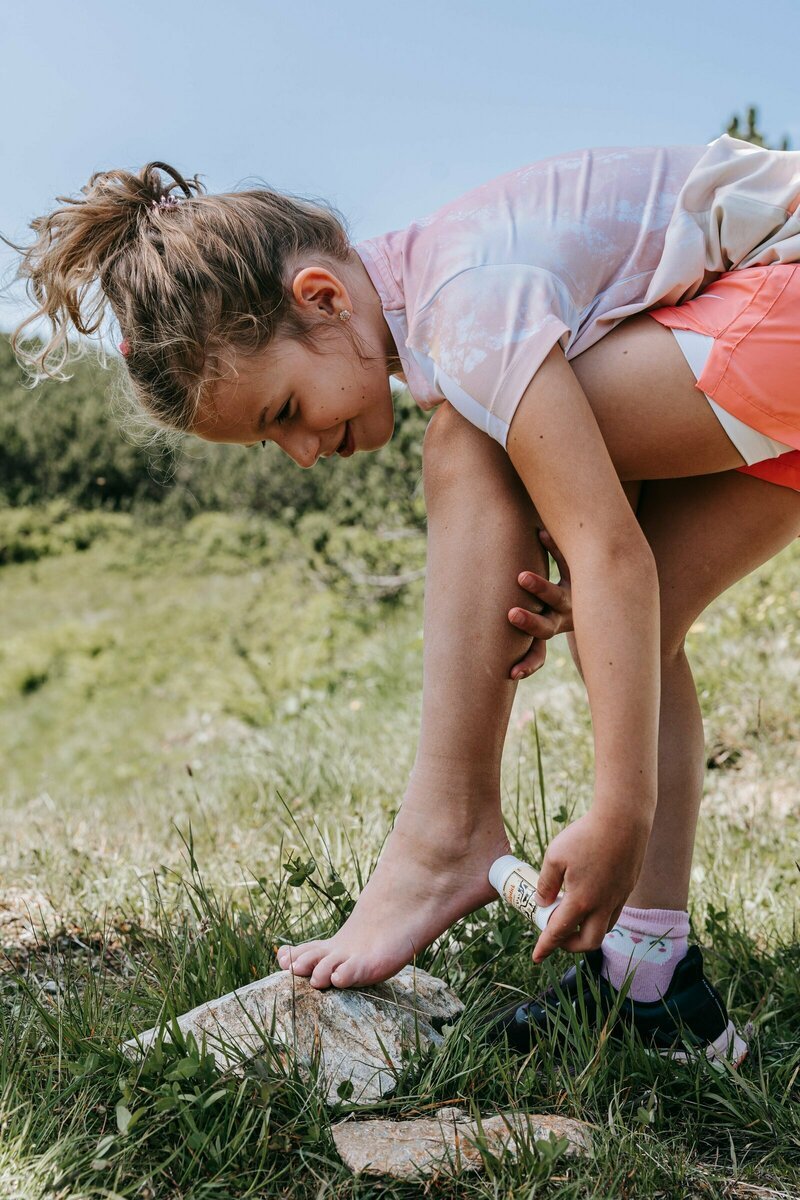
(753, 446)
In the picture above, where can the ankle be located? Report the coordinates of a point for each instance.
(431, 831)
(451, 825)
(660, 895)
(645, 945)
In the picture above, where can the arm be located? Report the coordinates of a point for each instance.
(558, 451)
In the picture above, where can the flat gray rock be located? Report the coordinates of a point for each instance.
(357, 1034)
(446, 1142)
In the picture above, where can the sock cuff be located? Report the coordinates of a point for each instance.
(657, 922)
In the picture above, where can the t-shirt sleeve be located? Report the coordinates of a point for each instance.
(485, 334)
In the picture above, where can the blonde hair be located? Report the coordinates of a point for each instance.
(185, 281)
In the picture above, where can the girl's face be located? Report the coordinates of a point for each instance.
(309, 402)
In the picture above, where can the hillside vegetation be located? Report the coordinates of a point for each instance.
(63, 441)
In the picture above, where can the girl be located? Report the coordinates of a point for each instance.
(249, 318)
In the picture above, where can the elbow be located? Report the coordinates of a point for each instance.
(624, 552)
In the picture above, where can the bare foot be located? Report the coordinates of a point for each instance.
(430, 874)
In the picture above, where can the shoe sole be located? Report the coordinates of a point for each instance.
(729, 1049)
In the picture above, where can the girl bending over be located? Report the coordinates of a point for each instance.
(517, 313)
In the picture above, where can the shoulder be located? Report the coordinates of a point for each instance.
(490, 305)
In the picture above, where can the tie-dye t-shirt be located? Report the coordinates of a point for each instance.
(477, 294)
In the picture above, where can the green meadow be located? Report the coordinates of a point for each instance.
(188, 706)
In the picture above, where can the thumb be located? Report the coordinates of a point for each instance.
(551, 877)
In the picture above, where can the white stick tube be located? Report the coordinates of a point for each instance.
(516, 882)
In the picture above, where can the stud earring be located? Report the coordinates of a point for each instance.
(344, 315)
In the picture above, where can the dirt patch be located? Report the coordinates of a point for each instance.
(38, 941)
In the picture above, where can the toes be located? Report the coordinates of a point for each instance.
(286, 954)
(358, 971)
(301, 960)
(346, 974)
(321, 976)
(306, 963)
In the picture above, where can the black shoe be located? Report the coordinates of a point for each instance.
(690, 1019)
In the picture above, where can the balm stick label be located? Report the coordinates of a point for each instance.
(519, 891)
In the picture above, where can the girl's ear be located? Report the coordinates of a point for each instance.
(315, 287)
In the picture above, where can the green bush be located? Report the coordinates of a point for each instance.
(62, 440)
(27, 534)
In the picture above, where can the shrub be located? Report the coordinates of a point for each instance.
(29, 533)
(62, 440)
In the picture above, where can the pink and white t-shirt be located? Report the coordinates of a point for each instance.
(477, 294)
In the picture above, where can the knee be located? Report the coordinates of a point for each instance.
(673, 646)
(458, 459)
(673, 649)
(449, 442)
(675, 624)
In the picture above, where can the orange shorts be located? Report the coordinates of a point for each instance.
(753, 370)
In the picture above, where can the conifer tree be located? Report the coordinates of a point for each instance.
(751, 132)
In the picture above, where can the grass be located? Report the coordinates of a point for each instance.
(293, 700)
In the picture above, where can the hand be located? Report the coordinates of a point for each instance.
(597, 860)
(550, 616)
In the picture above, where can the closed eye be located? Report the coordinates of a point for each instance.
(282, 416)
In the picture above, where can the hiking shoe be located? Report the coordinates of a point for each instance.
(690, 1019)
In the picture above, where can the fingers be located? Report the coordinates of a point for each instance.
(560, 928)
(592, 931)
(551, 877)
(548, 593)
(571, 929)
(538, 625)
(531, 662)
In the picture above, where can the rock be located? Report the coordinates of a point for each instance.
(446, 1141)
(359, 1034)
(27, 919)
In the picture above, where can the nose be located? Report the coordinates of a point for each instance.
(303, 447)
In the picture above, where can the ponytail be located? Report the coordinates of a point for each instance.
(182, 274)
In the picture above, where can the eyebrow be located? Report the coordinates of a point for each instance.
(262, 420)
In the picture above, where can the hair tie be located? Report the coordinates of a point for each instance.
(124, 347)
(169, 201)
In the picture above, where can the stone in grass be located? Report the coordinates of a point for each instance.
(27, 921)
(446, 1142)
(360, 1035)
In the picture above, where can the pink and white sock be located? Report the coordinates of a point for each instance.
(647, 943)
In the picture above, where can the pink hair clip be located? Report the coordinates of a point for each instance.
(165, 202)
(124, 347)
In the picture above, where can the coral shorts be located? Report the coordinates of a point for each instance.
(753, 368)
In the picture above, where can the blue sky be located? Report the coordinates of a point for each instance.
(386, 109)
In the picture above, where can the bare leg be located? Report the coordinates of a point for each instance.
(705, 533)
(434, 867)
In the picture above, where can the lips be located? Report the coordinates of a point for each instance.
(347, 445)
